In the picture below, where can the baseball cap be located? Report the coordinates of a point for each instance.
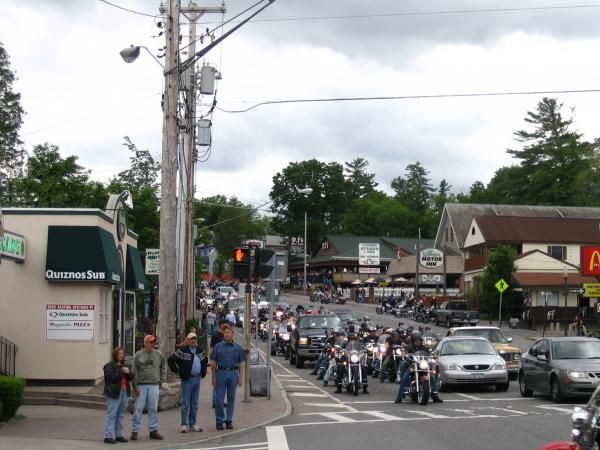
(149, 338)
(192, 336)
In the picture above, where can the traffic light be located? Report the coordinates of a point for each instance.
(264, 262)
(241, 263)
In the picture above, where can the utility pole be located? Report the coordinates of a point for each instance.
(168, 197)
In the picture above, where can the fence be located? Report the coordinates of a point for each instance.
(8, 353)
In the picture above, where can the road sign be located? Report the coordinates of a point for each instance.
(501, 285)
(576, 290)
(591, 290)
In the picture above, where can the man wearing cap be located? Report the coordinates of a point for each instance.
(187, 363)
(149, 372)
(227, 368)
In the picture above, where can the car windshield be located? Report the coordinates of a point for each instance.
(467, 347)
(576, 350)
(345, 315)
(492, 335)
(319, 322)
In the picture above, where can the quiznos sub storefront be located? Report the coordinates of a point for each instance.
(69, 296)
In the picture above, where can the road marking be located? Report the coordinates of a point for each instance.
(381, 415)
(301, 386)
(245, 446)
(306, 394)
(325, 405)
(286, 375)
(509, 410)
(337, 417)
(428, 414)
(470, 397)
(555, 408)
(277, 439)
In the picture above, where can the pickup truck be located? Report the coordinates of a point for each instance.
(309, 336)
(456, 312)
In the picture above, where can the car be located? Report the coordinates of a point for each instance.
(561, 367)
(308, 338)
(227, 292)
(466, 360)
(510, 353)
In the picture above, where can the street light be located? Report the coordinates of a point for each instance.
(131, 53)
(306, 191)
(566, 278)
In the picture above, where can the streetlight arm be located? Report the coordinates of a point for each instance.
(130, 54)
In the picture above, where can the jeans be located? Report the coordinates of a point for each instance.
(405, 380)
(149, 393)
(115, 410)
(211, 329)
(190, 389)
(226, 382)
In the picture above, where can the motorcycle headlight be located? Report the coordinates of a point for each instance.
(398, 352)
(354, 358)
(285, 337)
(499, 366)
(304, 341)
(579, 415)
(574, 374)
(451, 366)
(423, 365)
(382, 348)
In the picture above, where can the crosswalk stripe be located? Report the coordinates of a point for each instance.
(429, 414)
(325, 405)
(555, 408)
(306, 394)
(298, 386)
(337, 417)
(277, 439)
(381, 415)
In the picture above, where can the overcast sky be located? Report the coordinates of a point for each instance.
(81, 96)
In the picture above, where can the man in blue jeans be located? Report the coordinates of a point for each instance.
(187, 363)
(227, 368)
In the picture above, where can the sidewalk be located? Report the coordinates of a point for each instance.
(63, 427)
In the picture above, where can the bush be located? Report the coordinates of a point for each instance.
(11, 393)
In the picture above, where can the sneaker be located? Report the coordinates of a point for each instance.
(121, 439)
(134, 435)
(184, 428)
(156, 435)
(229, 426)
(220, 426)
(197, 429)
(109, 441)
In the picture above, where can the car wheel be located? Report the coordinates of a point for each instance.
(555, 392)
(299, 362)
(525, 391)
(292, 358)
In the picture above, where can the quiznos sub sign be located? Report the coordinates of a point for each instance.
(84, 276)
(431, 258)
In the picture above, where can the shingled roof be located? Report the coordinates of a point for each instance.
(498, 229)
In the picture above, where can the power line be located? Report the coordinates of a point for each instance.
(406, 97)
(428, 13)
(129, 10)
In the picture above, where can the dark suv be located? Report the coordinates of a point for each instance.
(308, 338)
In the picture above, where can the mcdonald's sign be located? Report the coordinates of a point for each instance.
(590, 260)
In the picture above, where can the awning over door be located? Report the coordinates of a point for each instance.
(82, 254)
(135, 279)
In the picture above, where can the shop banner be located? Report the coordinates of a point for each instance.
(368, 254)
(70, 322)
(152, 261)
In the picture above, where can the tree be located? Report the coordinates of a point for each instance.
(51, 181)
(500, 265)
(140, 179)
(324, 207)
(11, 118)
(414, 190)
(379, 215)
(360, 183)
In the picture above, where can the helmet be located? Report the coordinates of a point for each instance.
(352, 336)
(388, 330)
(416, 336)
(395, 334)
(366, 318)
(372, 328)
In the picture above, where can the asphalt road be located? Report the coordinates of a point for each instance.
(472, 418)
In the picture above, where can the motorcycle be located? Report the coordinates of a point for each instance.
(369, 352)
(316, 297)
(352, 378)
(263, 330)
(419, 389)
(379, 354)
(387, 308)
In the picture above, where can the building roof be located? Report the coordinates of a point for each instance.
(497, 229)
(545, 279)
(461, 214)
(409, 245)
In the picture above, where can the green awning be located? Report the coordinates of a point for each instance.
(82, 254)
(135, 279)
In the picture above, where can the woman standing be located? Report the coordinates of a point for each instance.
(117, 377)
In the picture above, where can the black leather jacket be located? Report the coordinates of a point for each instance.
(181, 361)
(113, 371)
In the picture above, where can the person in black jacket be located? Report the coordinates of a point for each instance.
(117, 389)
(187, 363)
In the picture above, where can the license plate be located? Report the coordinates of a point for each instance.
(477, 376)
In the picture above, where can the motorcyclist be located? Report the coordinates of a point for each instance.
(352, 344)
(388, 362)
(299, 310)
(366, 322)
(323, 357)
(417, 346)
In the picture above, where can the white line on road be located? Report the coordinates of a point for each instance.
(509, 410)
(306, 394)
(286, 375)
(337, 417)
(276, 438)
(381, 415)
(299, 386)
(555, 408)
(325, 405)
(470, 397)
(429, 414)
(245, 446)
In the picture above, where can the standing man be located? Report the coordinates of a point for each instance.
(231, 318)
(214, 340)
(187, 363)
(149, 372)
(227, 370)
(211, 319)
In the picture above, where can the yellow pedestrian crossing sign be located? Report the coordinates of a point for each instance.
(501, 285)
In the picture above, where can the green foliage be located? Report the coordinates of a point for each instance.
(12, 390)
(360, 183)
(220, 265)
(414, 190)
(189, 323)
(501, 264)
(11, 118)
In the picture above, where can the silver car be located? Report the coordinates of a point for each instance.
(470, 360)
(561, 366)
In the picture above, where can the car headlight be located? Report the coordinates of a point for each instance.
(574, 374)
(451, 366)
(516, 356)
(423, 365)
(499, 366)
(354, 358)
(303, 341)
